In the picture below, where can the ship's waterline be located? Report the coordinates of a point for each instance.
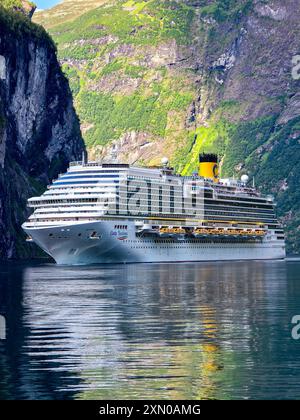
(76, 245)
(115, 213)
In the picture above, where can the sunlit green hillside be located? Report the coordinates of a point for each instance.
(66, 11)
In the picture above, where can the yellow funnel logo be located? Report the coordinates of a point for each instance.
(209, 170)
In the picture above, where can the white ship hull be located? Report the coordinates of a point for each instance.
(77, 244)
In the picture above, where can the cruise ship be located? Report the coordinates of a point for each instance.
(116, 213)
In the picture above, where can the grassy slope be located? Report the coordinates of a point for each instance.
(161, 93)
(159, 96)
(65, 11)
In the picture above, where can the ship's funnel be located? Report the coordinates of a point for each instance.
(209, 166)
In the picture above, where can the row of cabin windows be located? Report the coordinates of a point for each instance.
(191, 242)
(237, 216)
(74, 202)
(238, 203)
(209, 204)
(206, 208)
(64, 200)
(189, 246)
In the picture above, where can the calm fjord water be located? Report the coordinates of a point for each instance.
(197, 331)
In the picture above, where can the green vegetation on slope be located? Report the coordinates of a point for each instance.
(149, 25)
(19, 24)
(222, 10)
(9, 4)
(91, 49)
(113, 116)
(17, 4)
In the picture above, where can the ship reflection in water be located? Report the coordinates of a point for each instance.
(163, 331)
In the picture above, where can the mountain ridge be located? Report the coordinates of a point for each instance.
(65, 11)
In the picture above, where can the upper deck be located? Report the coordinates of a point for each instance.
(227, 187)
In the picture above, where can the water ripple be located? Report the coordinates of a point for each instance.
(196, 331)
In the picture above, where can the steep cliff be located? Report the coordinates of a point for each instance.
(153, 78)
(39, 130)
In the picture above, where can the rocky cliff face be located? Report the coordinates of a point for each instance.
(174, 78)
(39, 130)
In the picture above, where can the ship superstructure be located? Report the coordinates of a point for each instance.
(106, 213)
